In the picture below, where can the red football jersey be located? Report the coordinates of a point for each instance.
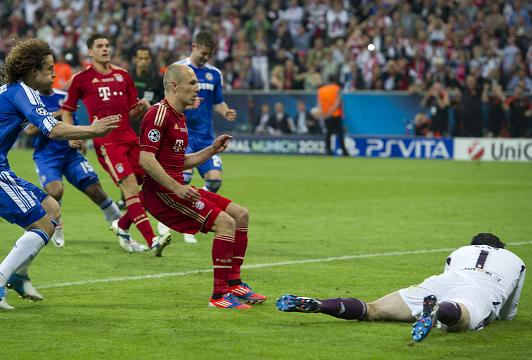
(103, 95)
(164, 132)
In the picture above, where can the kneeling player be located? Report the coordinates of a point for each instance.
(57, 158)
(163, 141)
(481, 283)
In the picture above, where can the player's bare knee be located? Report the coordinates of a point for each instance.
(129, 186)
(225, 223)
(52, 208)
(55, 191)
(242, 216)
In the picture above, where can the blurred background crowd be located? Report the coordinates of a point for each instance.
(458, 55)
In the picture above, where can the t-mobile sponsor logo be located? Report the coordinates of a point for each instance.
(104, 92)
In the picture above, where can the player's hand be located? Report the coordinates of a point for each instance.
(143, 105)
(196, 104)
(78, 145)
(221, 143)
(230, 114)
(105, 125)
(188, 193)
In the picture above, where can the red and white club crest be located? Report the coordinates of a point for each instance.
(475, 151)
(119, 168)
(199, 205)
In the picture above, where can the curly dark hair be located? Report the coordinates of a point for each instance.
(25, 57)
(488, 239)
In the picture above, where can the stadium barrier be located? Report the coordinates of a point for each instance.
(478, 149)
(366, 112)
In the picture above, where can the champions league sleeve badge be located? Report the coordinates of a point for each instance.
(154, 135)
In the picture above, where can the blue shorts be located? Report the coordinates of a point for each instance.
(20, 200)
(197, 144)
(74, 166)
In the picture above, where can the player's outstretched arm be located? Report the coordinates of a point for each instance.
(153, 168)
(220, 144)
(139, 110)
(225, 111)
(98, 128)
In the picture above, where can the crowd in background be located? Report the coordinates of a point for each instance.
(474, 51)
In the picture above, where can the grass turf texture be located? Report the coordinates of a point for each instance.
(301, 208)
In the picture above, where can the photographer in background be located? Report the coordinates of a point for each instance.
(437, 102)
(493, 95)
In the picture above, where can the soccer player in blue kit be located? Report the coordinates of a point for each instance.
(199, 119)
(27, 68)
(57, 158)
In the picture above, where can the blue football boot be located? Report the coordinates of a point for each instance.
(293, 303)
(427, 320)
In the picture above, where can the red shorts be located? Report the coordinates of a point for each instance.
(184, 216)
(120, 160)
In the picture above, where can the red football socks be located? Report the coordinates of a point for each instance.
(222, 251)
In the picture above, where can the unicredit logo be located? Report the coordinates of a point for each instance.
(475, 151)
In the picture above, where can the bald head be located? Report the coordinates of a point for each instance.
(180, 86)
(176, 73)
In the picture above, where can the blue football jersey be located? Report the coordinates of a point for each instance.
(43, 145)
(199, 121)
(19, 104)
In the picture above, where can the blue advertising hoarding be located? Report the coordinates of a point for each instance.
(376, 147)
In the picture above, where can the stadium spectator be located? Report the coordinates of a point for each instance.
(437, 102)
(199, 120)
(263, 120)
(422, 125)
(520, 109)
(281, 122)
(330, 104)
(27, 68)
(493, 95)
(305, 122)
(184, 208)
(106, 90)
(470, 103)
(481, 283)
(452, 39)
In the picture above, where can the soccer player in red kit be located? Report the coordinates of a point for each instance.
(163, 141)
(106, 89)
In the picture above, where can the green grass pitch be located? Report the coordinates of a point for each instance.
(301, 208)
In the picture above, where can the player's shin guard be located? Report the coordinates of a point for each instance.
(137, 214)
(449, 313)
(222, 251)
(239, 251)
(23, 253)
(212, 185)
(344, 308)
(110, 210)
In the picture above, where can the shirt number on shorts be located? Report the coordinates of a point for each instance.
(87, 168)
(217, 160)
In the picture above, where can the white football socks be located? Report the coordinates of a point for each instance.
(110, 210)
(22, 254)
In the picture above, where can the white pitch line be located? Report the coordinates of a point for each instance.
(258, 266)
